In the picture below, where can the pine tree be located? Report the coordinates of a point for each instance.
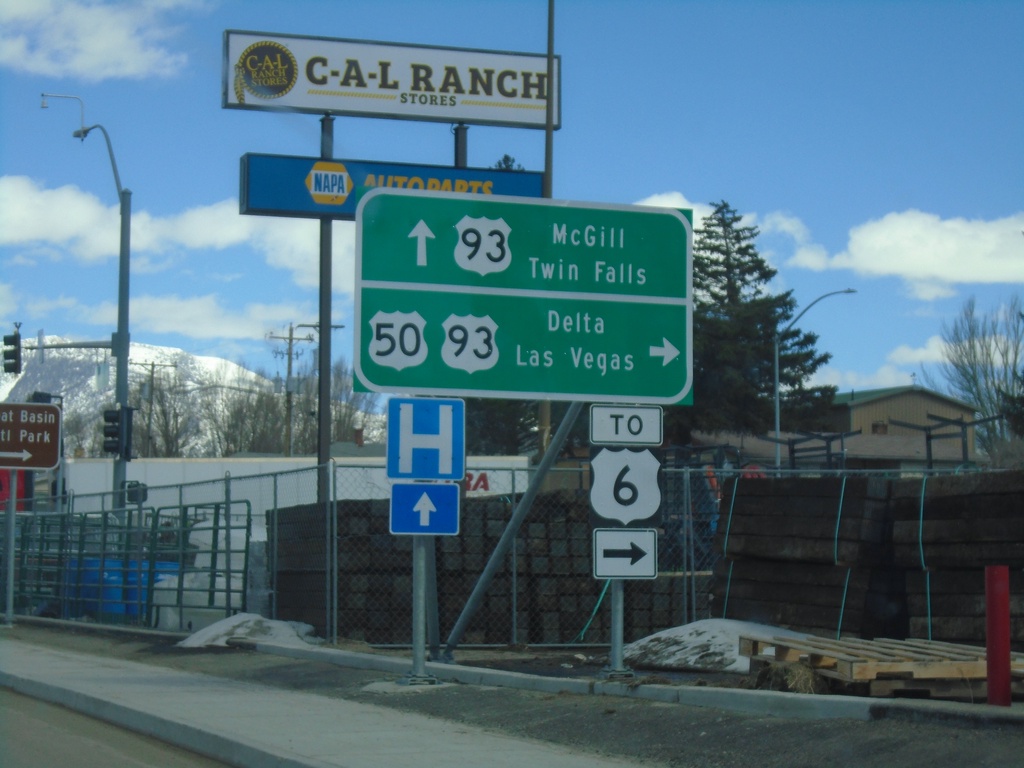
(497, 426)
(1013, 409)
(735, 319)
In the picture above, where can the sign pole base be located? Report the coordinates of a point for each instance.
(616, 669)
(419, 675)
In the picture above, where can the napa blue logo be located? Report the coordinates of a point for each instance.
(329, 183)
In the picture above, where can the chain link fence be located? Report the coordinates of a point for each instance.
(543, 592)
(181, 557)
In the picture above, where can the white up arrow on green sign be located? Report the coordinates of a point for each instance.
(486, 296)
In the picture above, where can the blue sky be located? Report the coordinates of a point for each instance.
(877, 145)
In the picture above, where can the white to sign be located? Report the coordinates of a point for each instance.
(625, 553)
(625, 425)
(507, 297)
(624, 485)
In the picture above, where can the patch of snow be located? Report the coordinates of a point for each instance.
(711, 644)
(252, 626)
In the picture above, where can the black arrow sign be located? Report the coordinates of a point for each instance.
(634, 553)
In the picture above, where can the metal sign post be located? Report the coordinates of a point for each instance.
(9, 546)
(625, 489)
(30, 436)
(419, 675)
(426, 456)
(617, 669)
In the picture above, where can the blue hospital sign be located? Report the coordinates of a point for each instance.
(426, 439)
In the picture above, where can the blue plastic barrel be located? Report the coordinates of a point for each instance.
(96, 587)
(138, 571)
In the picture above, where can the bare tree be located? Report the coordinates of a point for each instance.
(348, 407)
(168, 425)
(243, 415)
(982, 356)
(81, 435)
(237, 412)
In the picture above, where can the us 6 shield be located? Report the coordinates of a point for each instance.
(625, 487)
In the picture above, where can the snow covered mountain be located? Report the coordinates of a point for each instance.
(83, 378)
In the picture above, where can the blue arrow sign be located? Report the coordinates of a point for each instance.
(430, 509)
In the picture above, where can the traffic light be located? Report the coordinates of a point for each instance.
(12, 352)
(117, 432)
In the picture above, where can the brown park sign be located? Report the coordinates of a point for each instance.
(29, 435)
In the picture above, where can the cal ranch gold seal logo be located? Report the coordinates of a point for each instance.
(265, 69)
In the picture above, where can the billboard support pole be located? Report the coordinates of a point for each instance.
(461, 132)
(323, 450)
(544, 406)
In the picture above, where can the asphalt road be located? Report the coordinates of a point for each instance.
(648, 732)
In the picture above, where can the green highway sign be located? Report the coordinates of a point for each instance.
(486, 296)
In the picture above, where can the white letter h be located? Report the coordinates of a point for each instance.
(410, 440)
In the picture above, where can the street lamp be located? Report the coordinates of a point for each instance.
(778, 338)
(119, 342)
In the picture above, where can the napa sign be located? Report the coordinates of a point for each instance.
(411, 82)
(282, 185)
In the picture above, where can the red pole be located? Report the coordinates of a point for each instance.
(997, 633)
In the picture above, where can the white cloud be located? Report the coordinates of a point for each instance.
(900, 369)
(886, 376)
(933, 351)
(41, 307)
(89, 232)
(930, 254)
(807, 253)
(678, 200)
(89, 40)
(216, 226)
(200, 317)
(65, 217)
(9, 303)
(196, 317)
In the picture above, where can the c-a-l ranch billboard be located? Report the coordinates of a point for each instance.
(369, 79)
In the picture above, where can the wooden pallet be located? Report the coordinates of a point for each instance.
(889, 667)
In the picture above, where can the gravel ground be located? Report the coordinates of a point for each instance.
(652, 733)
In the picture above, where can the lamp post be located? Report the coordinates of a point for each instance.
(119, 342)
(778, 338)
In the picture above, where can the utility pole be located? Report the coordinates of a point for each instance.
(152, 385)
(288, 387)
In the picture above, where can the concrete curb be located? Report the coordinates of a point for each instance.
(753, 702)
(196, 740)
